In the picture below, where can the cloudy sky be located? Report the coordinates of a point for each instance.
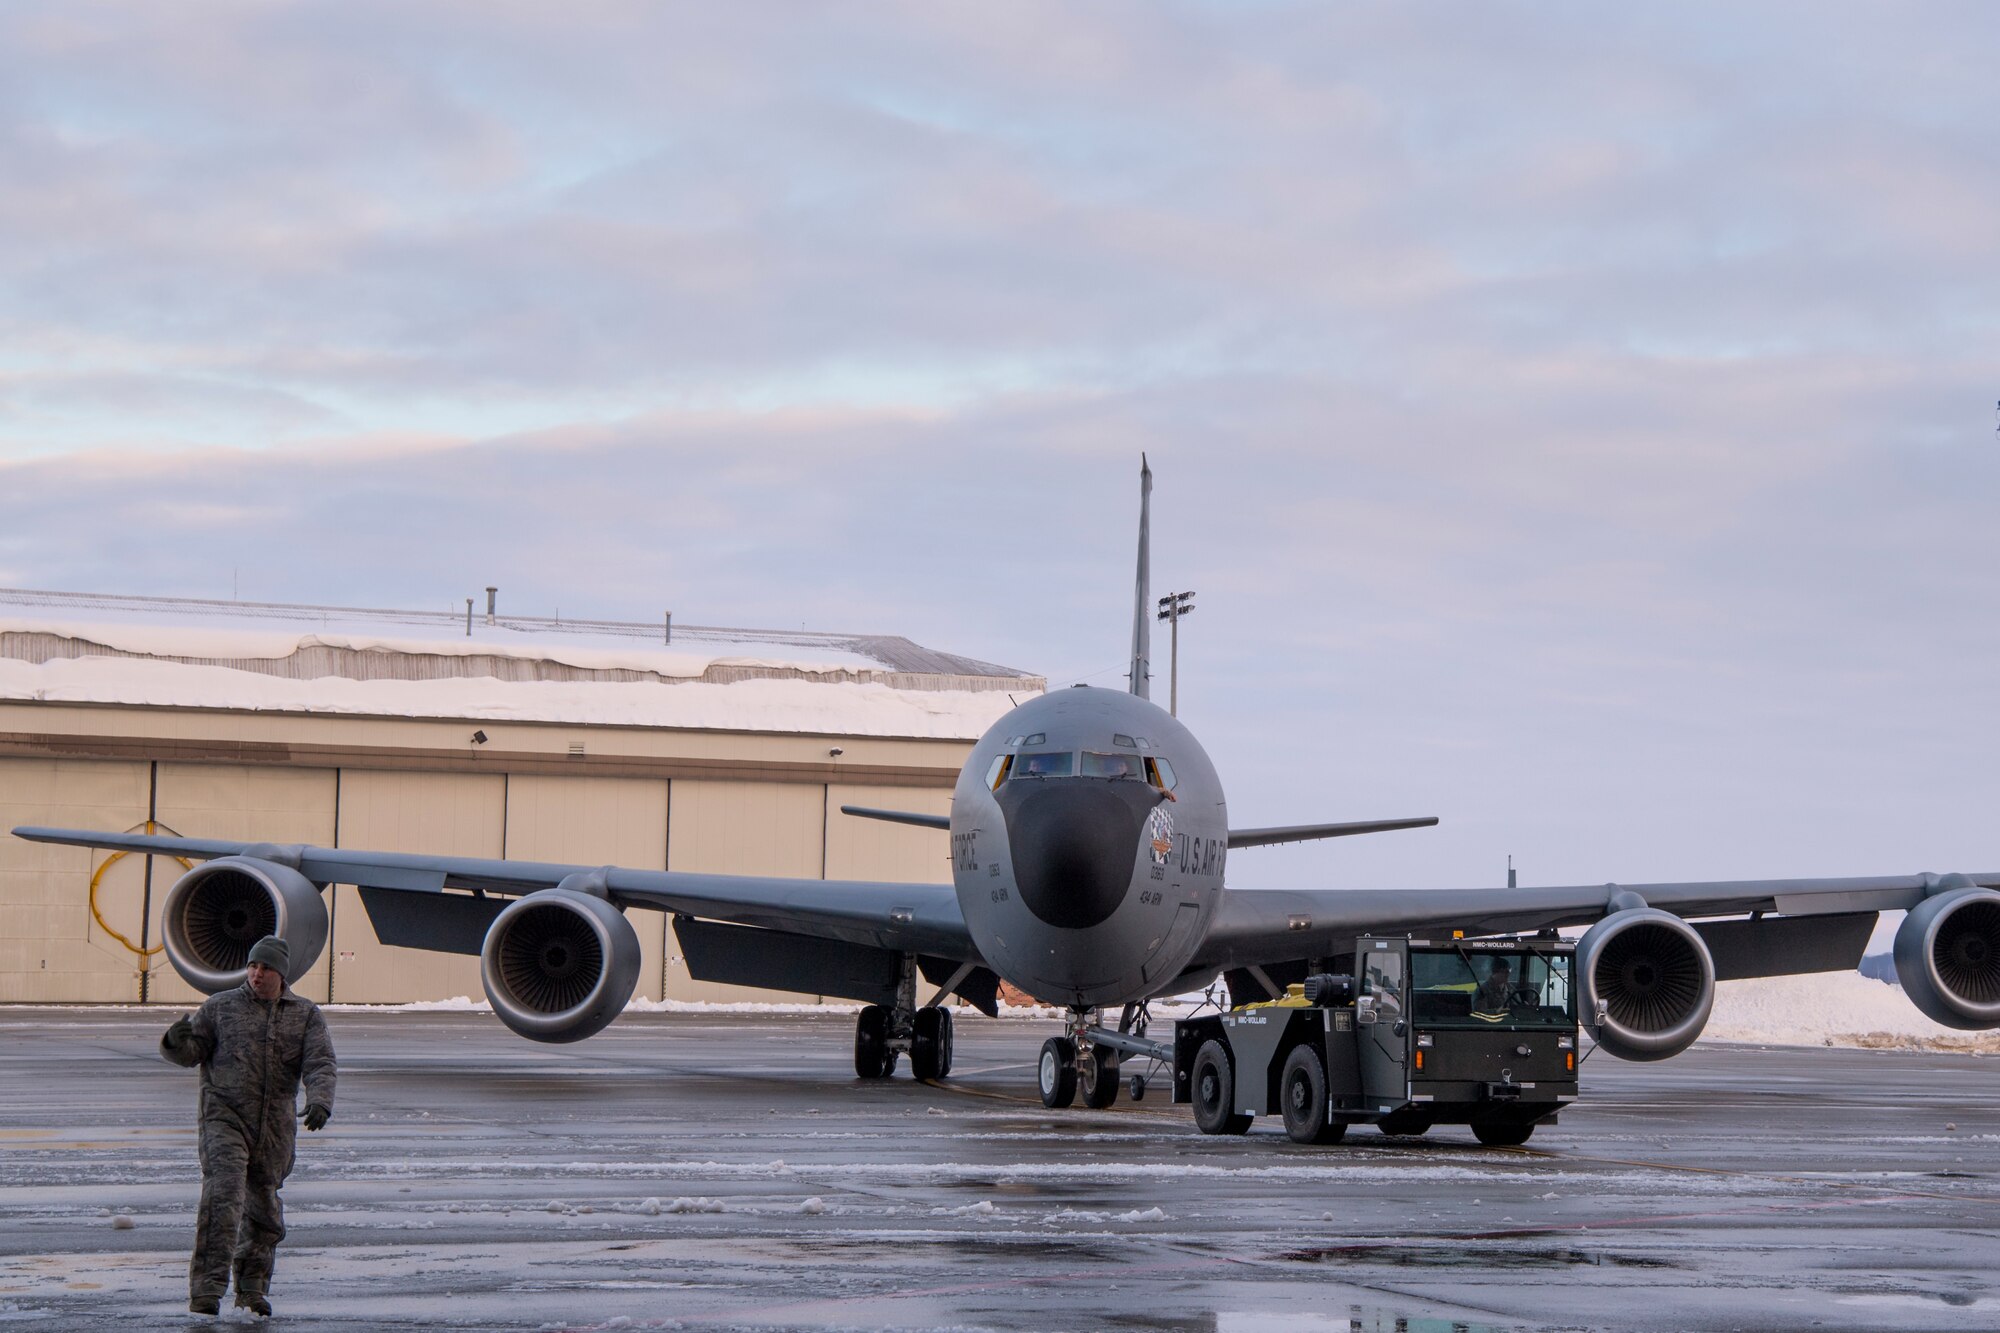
(1578, 422)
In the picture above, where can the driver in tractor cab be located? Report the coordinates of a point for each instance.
(1496, 991)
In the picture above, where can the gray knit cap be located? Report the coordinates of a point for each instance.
(272, 952)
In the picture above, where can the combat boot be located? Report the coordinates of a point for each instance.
(253, 1301)
(204, 1305)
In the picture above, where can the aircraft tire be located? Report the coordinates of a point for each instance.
(930, 1045)
(872, 1056)
(1056, 1072)
(1099, 1077)
(1302, 1095)
(1215, 1092)
(1502, 1135)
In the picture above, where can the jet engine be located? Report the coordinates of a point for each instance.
(1646, 982)
(217, 910)
(1948, 955)
(559, 964)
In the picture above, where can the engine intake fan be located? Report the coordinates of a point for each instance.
(1646, 981)
(217, 910)
(1948, 956)
(559, 965)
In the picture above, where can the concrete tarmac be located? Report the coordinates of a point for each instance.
(725, 1171)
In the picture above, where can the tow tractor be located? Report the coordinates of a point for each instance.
(1436, 1032)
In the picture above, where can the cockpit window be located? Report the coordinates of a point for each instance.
(996, 773)
(1160, 773)
(1111, 766)
(1047, 764)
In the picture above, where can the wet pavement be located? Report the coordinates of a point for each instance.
(726, 1171)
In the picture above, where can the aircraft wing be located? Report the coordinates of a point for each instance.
(1265, 837)
(906, 918)
(1254, 927)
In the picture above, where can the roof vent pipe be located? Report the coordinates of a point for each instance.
(492, 593)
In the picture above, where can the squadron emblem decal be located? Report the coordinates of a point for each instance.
(1163, 834)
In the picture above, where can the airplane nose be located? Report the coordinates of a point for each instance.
(1074, 843)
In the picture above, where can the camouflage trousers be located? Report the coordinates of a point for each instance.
(241, 1219)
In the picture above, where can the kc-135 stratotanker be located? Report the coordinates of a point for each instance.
(1089, 844)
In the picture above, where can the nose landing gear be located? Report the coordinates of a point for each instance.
(1056, 1072)
(1086, 1058)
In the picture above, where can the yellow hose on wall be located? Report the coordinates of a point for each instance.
(98, 877)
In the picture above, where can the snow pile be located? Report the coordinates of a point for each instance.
(826, 708)
(701, 1204)
(984, 1208)
(1831, 1009)
(1076, 1215)
(457, 1004)
(224, 636)
(195, 627)
(1071, 1216)
(465, 1004)
(1822, 1009)
(738, 1007)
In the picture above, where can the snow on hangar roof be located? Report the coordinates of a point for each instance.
(65, 647)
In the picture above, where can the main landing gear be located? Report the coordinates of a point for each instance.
(883, 1032)
(1086, 1057)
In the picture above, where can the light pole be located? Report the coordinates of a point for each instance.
(1172, 607)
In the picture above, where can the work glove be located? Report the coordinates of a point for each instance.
(181, 1032)
(317, 1114)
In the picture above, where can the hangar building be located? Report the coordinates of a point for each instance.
(654, 745)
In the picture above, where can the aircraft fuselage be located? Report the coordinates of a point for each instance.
(1088, 835)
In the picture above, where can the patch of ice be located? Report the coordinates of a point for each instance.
(813, 1207)
(123, 1222)
(1136, 1215)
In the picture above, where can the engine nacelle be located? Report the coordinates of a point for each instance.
(217, 910)
(1948, 957)
(1646, 983)
(558, 964)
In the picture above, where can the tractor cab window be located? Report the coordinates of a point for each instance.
(1112, 766)
(1046, 764)
(1382, 977)
(1488, 988)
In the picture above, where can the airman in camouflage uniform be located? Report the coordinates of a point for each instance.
(255, 1045)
